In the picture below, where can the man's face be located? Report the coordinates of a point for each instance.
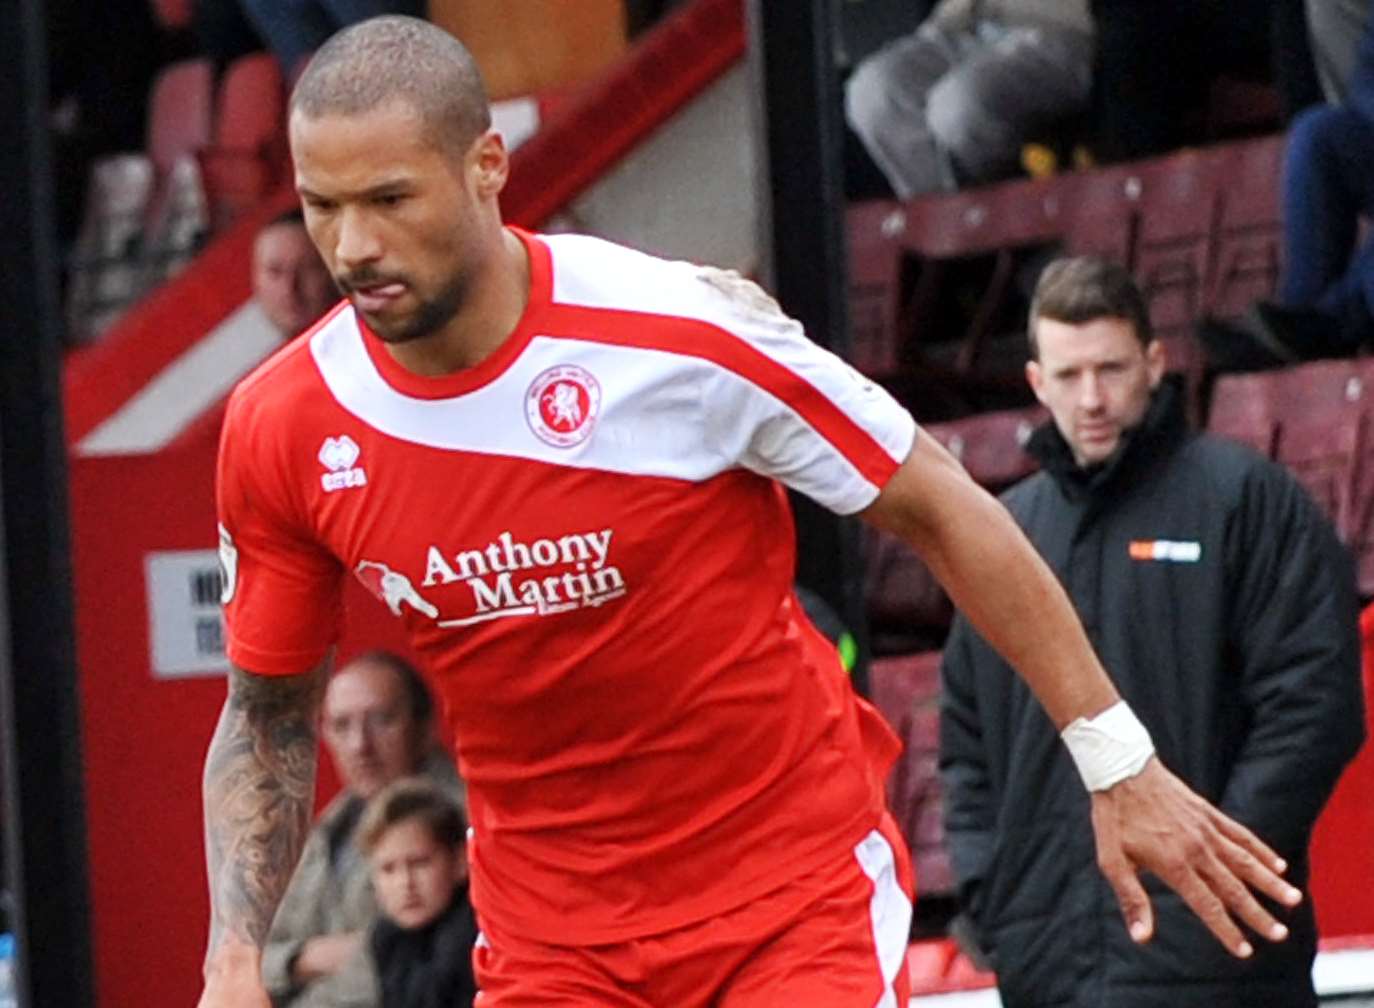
(369, 729)
(290, 281)
(413, 874)
(1095, 378)
(400, 219)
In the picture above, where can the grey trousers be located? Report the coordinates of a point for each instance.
(953, 104)
(1336, 27)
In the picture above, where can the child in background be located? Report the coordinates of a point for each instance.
(414, 837)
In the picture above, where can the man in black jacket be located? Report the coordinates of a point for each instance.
(1218, 595)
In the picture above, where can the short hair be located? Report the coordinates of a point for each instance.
(394, 57)
(1082, 289)
(419, 700)
(412, 798)
(294, 216)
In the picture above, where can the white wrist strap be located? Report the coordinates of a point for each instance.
(1108, 748)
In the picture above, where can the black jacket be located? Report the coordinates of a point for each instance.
(430, 967)
(1240, 655)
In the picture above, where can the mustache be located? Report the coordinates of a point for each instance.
(365, 276)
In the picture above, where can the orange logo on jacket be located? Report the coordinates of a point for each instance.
(1168, 550)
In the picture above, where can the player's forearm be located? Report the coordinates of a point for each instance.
(1007, 591)
(258, 788)
(997, 580)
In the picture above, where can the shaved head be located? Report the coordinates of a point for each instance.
(394, 58)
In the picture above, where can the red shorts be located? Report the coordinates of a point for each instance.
(834, 939)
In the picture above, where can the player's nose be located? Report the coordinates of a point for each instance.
(356, 242)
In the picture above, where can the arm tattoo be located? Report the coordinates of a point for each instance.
(259, 785)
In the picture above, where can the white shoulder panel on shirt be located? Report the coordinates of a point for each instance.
(654, 412)
(645, 419)
(594, 273)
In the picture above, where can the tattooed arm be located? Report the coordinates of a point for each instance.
(259, 785)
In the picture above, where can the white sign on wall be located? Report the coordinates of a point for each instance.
(185, 625)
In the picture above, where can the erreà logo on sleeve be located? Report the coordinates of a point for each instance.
(339, 456)
(1167, 550)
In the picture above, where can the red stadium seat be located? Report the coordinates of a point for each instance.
(179, 113)
(1175, 198)
(1317, 419)
(907, 691)
(248, 157)
(907, 609)
(875, 275)
(991, 446)
(1097, 213)
(173, 13)
(1249, 236)
(906, 606)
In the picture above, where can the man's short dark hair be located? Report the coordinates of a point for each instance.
(384, 59)
(1082, 289)
(413, 798)
(419, 701)
(295, 216)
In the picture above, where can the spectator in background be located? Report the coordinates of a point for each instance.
(377, 726)
(953, 103)
(1335, 27)
(290, 282)
(415, 838)
(1218, 595)
(1327, 188)
(1326, 294)
(1155, 63)
(294, 29)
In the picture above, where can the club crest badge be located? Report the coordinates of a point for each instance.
(562, 405)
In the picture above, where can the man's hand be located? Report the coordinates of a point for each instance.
(325, 955)
(233, 979)
(1154, 822)
(234, 992)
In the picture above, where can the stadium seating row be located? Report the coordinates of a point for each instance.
(213, 151)
(1200, 229)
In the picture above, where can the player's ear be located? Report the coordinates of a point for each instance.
(490, 164)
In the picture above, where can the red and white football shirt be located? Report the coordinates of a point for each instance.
(586, 537)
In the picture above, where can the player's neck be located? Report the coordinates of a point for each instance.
(496, 298)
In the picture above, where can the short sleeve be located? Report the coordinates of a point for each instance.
(786, 408)
(281, 596)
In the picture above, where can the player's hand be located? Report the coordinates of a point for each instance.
(1153, 822)
(234, 987)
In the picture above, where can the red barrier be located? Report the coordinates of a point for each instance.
(144, 739)
(99, 379)
(1342, 865)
